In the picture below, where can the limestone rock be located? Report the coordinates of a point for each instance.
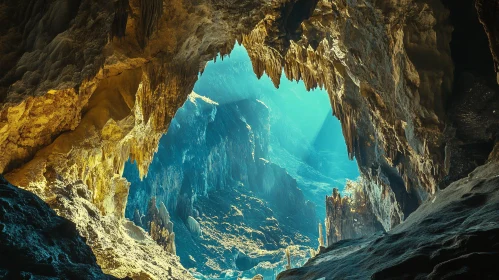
(351, 216)
(194, 226)
(159, 226)
(257, 277)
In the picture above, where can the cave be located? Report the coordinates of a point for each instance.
(95, 100)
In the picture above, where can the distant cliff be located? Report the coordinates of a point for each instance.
(229, 149)
(212, 154)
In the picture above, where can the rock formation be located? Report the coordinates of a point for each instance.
(36, 243)
(288, 258)
(158, 225)
(257, 277)
(321, 237)
(487, 12)
(454, 235)
(77, 105)
(230, 147)
(371, 90)
(226, 199)
(349, 217)
(194, 227)
(86, 85)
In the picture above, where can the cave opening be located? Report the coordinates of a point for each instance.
(242, 173)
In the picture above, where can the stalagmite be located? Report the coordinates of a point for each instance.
(321, 236)
(288, 258)
(194, 226)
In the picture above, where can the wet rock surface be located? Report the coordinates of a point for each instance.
(36, 243)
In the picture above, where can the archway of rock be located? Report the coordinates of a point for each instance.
(77, 105)
(242, 173)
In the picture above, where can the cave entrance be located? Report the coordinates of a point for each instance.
(242, 173)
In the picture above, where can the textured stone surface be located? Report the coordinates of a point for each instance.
(83, 90)
(351, 216)
(234, 210)
(487, 12)
(36, 243)
(121, 94)
(122, 249)
(453, 236)
(241, 236)
(389, 101)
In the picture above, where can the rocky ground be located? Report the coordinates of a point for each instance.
(122, 248)
(455, 235)
(38, 240)
(241, 237)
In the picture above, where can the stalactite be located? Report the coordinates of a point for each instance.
(118, 27)
(341, 57)
(150, 14)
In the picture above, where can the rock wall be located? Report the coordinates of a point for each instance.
(389, 70)
(454, 235)
(391, 104)
(487, 13)
(233, 209)
(466, 129)
(83, 90)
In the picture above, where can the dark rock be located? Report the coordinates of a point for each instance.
(36, 243)
(473, 127)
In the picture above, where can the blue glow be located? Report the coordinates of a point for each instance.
(307, 139)
(244, 158)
